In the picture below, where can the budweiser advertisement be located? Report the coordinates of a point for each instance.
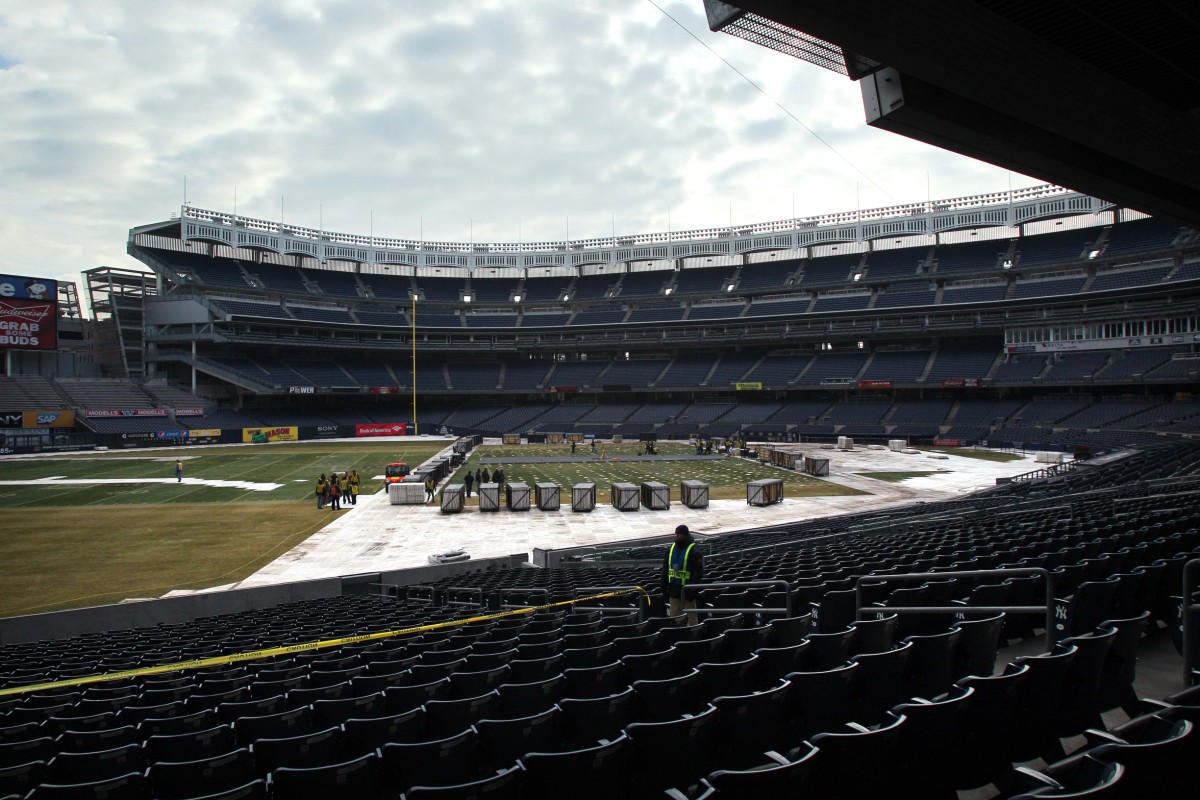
(28, 313)
(382, 429)
(28, 325)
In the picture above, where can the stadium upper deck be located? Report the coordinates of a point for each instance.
(1037, 288)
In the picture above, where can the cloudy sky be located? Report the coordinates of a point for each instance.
(493, 119)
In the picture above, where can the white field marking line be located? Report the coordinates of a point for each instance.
(62, 481)
(59, 480)
(251, 468)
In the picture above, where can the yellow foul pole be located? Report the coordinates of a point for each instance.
(416, 427)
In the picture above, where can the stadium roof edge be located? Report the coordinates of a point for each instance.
(1099, 97)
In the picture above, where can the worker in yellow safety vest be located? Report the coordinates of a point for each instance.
(683, 567)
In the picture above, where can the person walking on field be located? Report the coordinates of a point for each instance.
(487, 476)
(322, 491)
(468, 480)
(430, 489)
(344, 485)
(178, 471)
(682, 567)
(354, 488)
(335, 494)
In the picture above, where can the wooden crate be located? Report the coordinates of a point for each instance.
(452, 498)
(489, 497)
(625, 496)
(583, 497)
(406, 493)
(546, 495)
(516, 496)
(656, 496)
(693, 494)
(764, 492)
(816, 466)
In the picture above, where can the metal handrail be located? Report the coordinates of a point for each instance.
(410, 598)
(1047, 609)
(471, 590)
(577, 590)
(530, 590)
(787, 608)
(1189, 611)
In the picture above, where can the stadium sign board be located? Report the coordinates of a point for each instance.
(382, 429)
(126, 412)
(29, 420)
(28, 313)
(50, 419)
(280, 434)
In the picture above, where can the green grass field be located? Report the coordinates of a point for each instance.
(894, 477)
(69, 545)
(968, 452)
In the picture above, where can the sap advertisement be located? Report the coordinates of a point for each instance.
(28, 313)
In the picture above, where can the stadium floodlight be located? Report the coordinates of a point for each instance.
(726, 18)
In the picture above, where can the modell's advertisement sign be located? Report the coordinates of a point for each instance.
(126, 412)
(28, 313)
(382, 429)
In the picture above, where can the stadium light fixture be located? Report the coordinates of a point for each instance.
(756, 29)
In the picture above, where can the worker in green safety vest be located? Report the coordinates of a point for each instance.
(683, 567)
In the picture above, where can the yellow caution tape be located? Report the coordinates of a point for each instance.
(252, 655)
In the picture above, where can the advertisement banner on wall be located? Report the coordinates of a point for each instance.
(127, 412)
(28, 313)
(382, 429)
(322, 432)
(23, 287)
(204, 433)
(869, 384)
(280, 434)
(49, 419)
(28, 324)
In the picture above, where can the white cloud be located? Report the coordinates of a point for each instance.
(493, 116)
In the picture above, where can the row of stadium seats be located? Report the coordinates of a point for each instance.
(1110, 247)
(718, 306)
(746, 699)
